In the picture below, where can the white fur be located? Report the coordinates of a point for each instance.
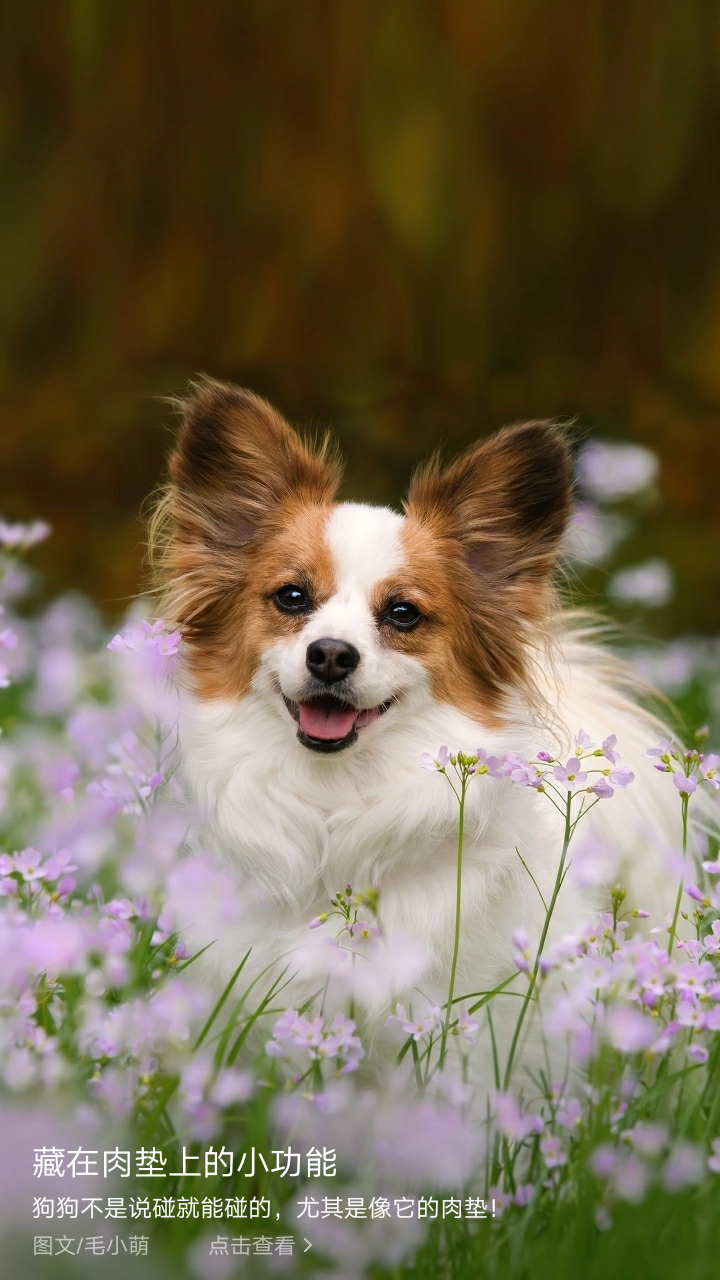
(297, 826)
(365, 546)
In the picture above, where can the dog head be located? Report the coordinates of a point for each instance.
(337, 612)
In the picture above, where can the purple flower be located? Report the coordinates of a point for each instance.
(148, 635)
(710, 770)
(665, 748)
(583, 742)
(648, 1139)
(621, 776)
(610, 471)
(22, 536)
(510, 1120)
(684, 1167)
(521, 956)
(603, 1160)
(441, 761)
(520, 771)
(552, 1152)
(608, 749)
(466, 1026)
(231, 1086)
(569, 1115)
(697, 1053)
(29, 864)
(630, 1179)
(650, 584)
(321, 919)
(683, 784)
(423, 1143)
(692, 891)
(499, 1200)
(628, 1030)
(572, 776)
(336, 1043)
(423, 1026)
(524, 1194)
(602, 789)
(488, 764)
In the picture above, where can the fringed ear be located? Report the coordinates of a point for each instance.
(236, 460)
(507, 502)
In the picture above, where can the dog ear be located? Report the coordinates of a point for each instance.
(507, 501)
(236, 458)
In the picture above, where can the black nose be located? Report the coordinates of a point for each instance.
(331, 660)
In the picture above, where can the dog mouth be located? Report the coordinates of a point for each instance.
(326, 724)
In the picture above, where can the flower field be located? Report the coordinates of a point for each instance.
(207, 1134)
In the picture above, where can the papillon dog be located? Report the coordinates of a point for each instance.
(329, 644)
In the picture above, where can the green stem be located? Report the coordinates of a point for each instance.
(684, 798)
(458, 900)
(543, 937)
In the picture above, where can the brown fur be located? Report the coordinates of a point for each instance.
(246, 509)
(243, 514)
(484, 533)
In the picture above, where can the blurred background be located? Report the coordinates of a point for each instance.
(410, 220)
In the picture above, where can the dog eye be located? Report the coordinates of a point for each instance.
(291, 598)
(403, 615)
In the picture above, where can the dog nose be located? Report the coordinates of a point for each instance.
(331, 660)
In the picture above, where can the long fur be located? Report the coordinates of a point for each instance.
(493, 664)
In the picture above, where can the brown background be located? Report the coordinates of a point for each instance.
(412, 221)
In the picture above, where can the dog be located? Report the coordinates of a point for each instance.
(328, 645)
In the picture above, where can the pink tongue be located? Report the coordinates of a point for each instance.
(324, 721)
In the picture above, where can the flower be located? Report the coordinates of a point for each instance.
(23, 536)
(466, 1026)
(684, 1167)
(552, 1152)
(685, 785)
(628, 1030)
(663, 751)
(510, 1120)
(650, 584)
(492, 765)
(697, 1053)
(29, 865)
(430, 1021)
(710, 770)
(648, 1139)
(621, 776)
(569, 1115)
(520, 771)
(608, 749)
(610, 471)
(441, 761)
(428, 1142)
(524, 1194)
(521, 956)
(571, 776)
(692, 891)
